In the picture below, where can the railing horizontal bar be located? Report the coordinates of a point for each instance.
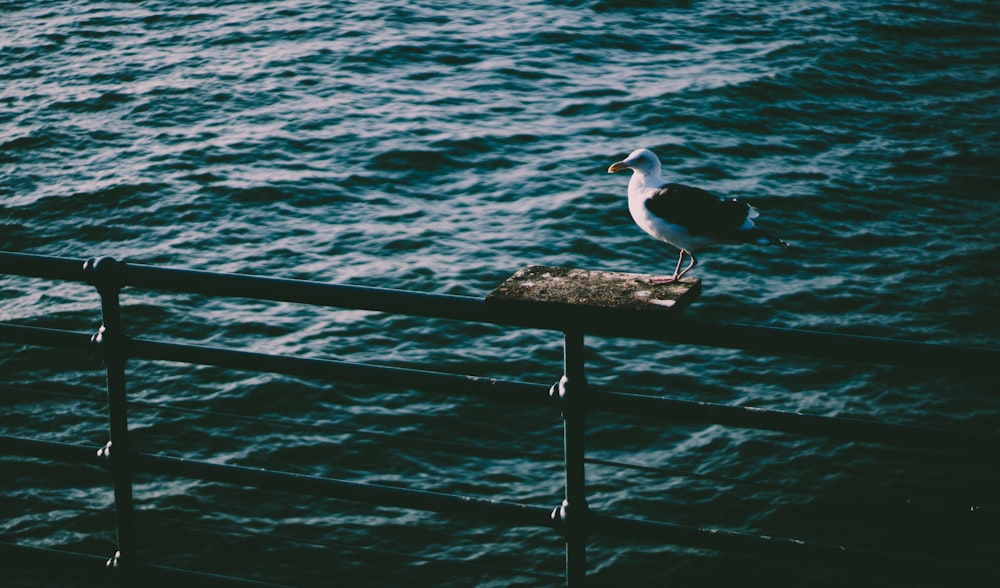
(93, 569)
(606, 322)
(84, 566)
(48, 450)
(340, 370)
(303, 291)
(602, 322)
(512, 514)
(676, 410)
(46, 337)
(775, 547)
(509, 513)
(42, 266)
(956, 359)
(659, 409)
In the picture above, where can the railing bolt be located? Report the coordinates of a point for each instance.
(104, 453)
(560, 390)
(562, 516)
(99, 339)
(115, 561)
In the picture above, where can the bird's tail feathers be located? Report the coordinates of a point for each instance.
(762, 238)
(758, 236)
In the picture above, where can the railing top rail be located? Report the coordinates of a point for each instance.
(617, 322)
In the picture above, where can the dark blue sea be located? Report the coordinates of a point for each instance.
(439, 147)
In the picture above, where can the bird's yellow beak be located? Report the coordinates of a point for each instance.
(617, 167)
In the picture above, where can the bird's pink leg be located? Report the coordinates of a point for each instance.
(677, 271)
(693, 263)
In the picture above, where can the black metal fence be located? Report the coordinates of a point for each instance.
(572, 519)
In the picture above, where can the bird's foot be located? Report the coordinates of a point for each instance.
(664, 279)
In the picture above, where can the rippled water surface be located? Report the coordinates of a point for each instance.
(439, 147)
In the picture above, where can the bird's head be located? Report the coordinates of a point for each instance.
(642, 161)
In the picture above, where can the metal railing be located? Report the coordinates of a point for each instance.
(572, 519)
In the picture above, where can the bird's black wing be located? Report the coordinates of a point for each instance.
(702, 212)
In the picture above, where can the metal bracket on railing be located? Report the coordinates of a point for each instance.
(103, 273)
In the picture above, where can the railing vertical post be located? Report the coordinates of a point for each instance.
(572, 514)
(110, 340)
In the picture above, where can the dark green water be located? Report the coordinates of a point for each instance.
(439, 147)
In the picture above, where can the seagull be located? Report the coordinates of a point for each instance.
(686, 217)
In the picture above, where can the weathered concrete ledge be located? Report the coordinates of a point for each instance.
(541, 288)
